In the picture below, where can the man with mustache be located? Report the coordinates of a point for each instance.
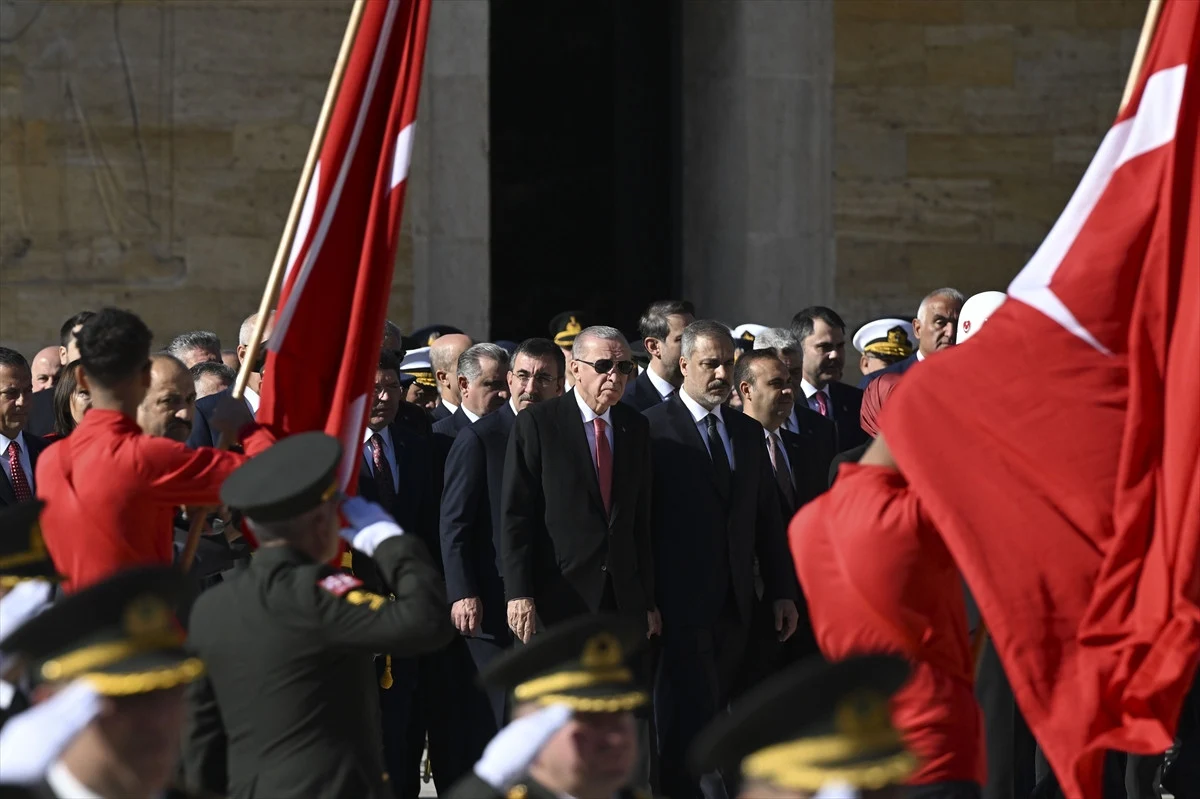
(470, 527)
(935, 327)
(19, 449)
(715, 508)
(170, 403)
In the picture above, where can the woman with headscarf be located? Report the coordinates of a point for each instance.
(876, 392)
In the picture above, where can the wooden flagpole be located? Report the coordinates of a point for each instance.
(279, 267)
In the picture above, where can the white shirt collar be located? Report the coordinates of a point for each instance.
(663, 388)
(385, 434)
(472, 418)
(65, 786)
(697, 410)
(589, 414)
(512, 403)
(5, 441)
(810, 389)
(251, 397)
(920, 355)
(450, 406)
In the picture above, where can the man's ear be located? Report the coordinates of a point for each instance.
(652, 346)
(463, 384)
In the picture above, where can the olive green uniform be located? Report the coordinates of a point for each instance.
(290, 703)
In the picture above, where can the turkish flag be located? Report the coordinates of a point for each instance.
(1058, 451)
(324, 350)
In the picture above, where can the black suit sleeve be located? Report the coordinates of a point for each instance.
(414, 624)
(770, 539)
(201, 435)
(522, 507)
(464, 494)
(643, 530)
(204, 742)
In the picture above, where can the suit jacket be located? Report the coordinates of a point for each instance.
(416, 506)
(41, 414)
(439, 413)
(809, 453)
(853, 455)
(470, 520)
(706, 541)
(34, 446)
(641, 393)
(558, 545)
(847, 407)
(899, 367)
(203, 433)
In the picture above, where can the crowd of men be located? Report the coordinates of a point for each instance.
(564, 522)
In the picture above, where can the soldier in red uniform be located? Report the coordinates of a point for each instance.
(110, 490)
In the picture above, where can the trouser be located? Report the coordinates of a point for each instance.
(396, 705)
(1010, 745)
(950, 789)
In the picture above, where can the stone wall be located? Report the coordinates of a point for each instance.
(148, 156)
(961, 127)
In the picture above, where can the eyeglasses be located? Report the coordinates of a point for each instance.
(539, 378)
(605, 365)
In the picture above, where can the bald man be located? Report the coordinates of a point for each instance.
(170, 403)
(443, 356)
(45, 366)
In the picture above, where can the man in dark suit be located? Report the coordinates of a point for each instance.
(41, 407)
(935, 327)
(444, 352)
(822, 336)
(470, 524)
(203, 434)
(661, 328)
(575, 507)
(18, 452)
(715, 510)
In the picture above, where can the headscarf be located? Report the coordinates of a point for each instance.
(876, 392)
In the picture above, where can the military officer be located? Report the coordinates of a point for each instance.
(815, 731)
(573, 696)
(108, 666)
(290, 706)
(27, 577)
(882, 343)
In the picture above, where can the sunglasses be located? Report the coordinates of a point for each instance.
(605, 365)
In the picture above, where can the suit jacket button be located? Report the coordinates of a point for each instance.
(604, 568)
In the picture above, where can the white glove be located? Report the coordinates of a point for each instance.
(370, 525)
(23, 602)
(837, 790)
(31, 741)
(508, 755)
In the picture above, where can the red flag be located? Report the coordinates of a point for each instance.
(1058, 451)
(324, 349)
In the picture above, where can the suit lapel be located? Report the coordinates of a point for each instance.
(571, 421)
(745, 453)
(689, 433)
(7, 496)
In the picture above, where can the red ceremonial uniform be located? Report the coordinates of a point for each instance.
(111, 492)
(878, 579)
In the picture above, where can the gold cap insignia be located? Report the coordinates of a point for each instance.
(602, 651)
(573, 327)
(862, 715)
(747, 336)
(432, 338)
(147, 616)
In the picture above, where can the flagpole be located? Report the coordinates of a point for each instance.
(279, 267)
(1143, 46)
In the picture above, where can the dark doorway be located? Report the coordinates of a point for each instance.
(582, 132)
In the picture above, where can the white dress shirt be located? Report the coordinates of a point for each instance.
(472, 418)
(787, 462)
(64, 785)
(589, 429)
(809, 391)
(699, 413)
(389, 452)
(663, 388)
(26, 466)
(252, 399)
(920, 355)
(450, 406)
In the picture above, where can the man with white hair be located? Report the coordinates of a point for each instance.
(195, 346)
(935, 326)
(203, 434)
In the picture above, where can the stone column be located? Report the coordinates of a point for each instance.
(756, 128)
(448, 205)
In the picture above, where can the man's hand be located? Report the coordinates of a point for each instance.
(653, 623)
(230, 416)
(786, 618)
(467, 614)
(522, 618)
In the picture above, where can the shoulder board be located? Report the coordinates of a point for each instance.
(340, 584)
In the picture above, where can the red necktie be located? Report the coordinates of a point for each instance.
(383, 474)
(603, 463)
(20, 483)
(822, 403)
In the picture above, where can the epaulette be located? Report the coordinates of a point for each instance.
(340, 584)
(518, 791)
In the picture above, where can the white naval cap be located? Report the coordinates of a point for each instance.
(976, 310)
(417, 363)
(876, 333)
(747, 331)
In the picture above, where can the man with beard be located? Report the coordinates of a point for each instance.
(470, 528)
(822, 336)
(715, 509)
(661, 327)
(935, 328)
